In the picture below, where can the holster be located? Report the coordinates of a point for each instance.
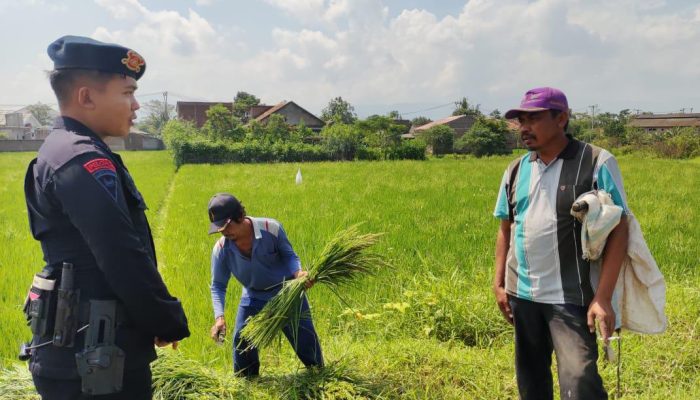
(101, 363)
(40, 304)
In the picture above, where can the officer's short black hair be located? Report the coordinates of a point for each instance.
(63, 81)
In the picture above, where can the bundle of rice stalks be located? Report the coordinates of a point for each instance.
(16, 383)
(177, 377)
(345, 258)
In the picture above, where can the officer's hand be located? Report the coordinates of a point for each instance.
(219, 326)
(162, 343)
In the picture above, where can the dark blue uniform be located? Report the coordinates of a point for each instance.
(85, 209)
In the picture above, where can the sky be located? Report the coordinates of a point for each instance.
(413, 56)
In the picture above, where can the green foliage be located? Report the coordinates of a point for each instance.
(158, 116)
(201, 151)
(394, 114)
(341, 141)
(3, 135)
(242, 103)
(380, 131)
(495, 114)
(344, 259)
(300, 132)
(418, 121)
(679, 143)
(463, 107)
(276, 129)
(339, 111)
(443, 272)
(176, 132)
(223, 125)
(42, 112)
(406, 150)
(440, 138)
(486, 137)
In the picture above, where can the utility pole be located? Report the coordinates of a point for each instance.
(593, 107)
(165, 102)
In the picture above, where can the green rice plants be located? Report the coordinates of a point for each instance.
(340, 263)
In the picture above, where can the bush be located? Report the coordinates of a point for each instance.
(485, 137)
(679, 143)
(407, 150)
(341, 141)
(369, 153)
(440, 138)
(200, 151)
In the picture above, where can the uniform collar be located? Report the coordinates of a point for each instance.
(73, 125)
(568, 153)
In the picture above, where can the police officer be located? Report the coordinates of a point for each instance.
(85, 209)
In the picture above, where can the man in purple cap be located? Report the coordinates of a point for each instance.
(542, 284)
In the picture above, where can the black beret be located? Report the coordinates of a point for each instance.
(77, 52)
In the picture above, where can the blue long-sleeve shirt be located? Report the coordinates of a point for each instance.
(272, 261)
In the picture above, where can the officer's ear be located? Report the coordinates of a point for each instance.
(84, 98)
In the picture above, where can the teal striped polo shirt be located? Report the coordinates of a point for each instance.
(544, 262)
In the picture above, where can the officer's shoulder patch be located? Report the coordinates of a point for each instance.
(104, 171)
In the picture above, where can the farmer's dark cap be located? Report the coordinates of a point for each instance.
(77, 52)
(222, 207)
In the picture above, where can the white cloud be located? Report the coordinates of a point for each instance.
(616, 53)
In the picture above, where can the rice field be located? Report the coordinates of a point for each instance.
(428, 327)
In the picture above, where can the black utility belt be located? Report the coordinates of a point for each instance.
(53, 309)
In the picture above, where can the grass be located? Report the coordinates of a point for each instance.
(429, 328)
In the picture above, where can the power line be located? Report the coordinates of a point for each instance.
(427, 109)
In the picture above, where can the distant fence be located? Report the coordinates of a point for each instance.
(20, 145)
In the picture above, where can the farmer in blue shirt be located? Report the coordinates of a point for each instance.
(258, 254)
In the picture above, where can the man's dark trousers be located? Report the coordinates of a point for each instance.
(541, 328)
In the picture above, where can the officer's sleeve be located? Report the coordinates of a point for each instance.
(502, 210)
(609, 178)
(220, 276)
(287, 253)
(90, 194)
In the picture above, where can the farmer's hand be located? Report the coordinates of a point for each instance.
(301, 273)
(602, 311)
(219, 325)
(162, 343)
(503, 305)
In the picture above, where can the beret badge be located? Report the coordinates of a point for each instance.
(133, 61)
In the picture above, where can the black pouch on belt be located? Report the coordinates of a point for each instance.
(65, 326)
(40, 305)
(101, 363)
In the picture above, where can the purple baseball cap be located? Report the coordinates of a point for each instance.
(540, 99)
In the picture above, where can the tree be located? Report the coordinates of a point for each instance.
(394, 114)
(418, 121)
(380, 131)
(158, 116)
(42, 112)
(463, 107)
(485, 137)
(222, 125)
(276, 129)
(300, 132)
(495, 114)
(440, 138)
(339, 111)
(342, 140)
(242, 103)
